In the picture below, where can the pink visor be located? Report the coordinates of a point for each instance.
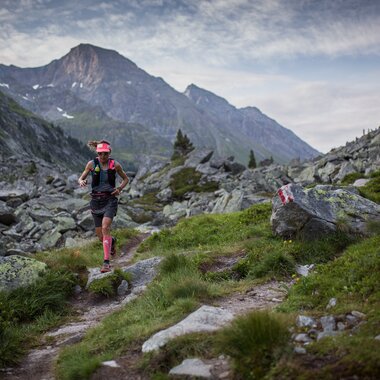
(103, 147)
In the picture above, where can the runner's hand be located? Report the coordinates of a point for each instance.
(82, 182)
(117, 191)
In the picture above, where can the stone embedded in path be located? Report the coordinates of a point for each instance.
(206, 318)
(143, 272)
(192, 367)
(111, 363)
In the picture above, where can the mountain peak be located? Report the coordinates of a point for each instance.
(204, 97)
(89, 63)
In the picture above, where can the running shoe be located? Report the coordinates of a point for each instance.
(113, 246)
(105, 268)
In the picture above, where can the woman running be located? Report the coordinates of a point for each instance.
(104, 195)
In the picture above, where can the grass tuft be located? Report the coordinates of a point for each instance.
(107, 286)
(254, 342)
(275, 264)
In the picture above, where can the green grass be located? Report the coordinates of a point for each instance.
(107, 286)
(258, 343)
(205, 231)
(351, 278)
(372, 189)
(254, 342)
(148, 202)
(187, 180)
(77, 260)
(349, 179)
(177, 291)
(25, 312)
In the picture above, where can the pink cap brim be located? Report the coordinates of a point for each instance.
(103, 147)
(103, 150)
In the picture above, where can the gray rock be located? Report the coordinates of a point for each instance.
(206, 318)
(302, 338)
(304, 270)
(40, 214)
(144, 271)
(313, 213)
(233, 167)
(86, 221)
(300, 350)
(360, 182)
(358, 314)
(18, 271)
(332, 303)
(65, 223)
(305, 321)
(229, 202)
(197, 157)
(325, 334)
(122, 289)
(192, 367)
(8, 194)
(328, 323)
(50, 239)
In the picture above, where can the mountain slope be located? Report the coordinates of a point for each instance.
(23, 135)
(103, 78)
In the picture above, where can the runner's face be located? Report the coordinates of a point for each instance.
(103, 157)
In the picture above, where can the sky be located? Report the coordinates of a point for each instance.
(312, 65)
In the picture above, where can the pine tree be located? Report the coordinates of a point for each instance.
(182, 145)
(252, 160)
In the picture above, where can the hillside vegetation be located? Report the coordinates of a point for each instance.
(259, 343)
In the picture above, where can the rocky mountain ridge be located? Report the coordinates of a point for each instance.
(89, 78)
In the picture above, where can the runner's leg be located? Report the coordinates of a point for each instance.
(107, 238)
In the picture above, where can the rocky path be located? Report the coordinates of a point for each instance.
(39, 363)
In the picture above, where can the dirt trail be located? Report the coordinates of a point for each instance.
(39, 363)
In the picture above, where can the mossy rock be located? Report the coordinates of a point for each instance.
(17, 271)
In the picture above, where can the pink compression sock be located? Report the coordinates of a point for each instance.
(107, 241)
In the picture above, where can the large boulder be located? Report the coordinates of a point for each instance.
(17, 271)
(312, 213)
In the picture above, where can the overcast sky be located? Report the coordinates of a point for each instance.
(312, 65)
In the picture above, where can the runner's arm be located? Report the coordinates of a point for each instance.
(82, 179)
(123, 175)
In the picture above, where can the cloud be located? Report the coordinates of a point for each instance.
(236, 48)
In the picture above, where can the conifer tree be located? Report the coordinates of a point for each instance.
(182, 145)
(252, 160)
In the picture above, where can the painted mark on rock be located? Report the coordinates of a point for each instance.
(285, 194)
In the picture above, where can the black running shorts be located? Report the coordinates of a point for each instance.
(103, 206)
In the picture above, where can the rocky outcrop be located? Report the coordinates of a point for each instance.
(312, 213)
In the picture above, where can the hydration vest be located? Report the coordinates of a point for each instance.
(97, 169)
